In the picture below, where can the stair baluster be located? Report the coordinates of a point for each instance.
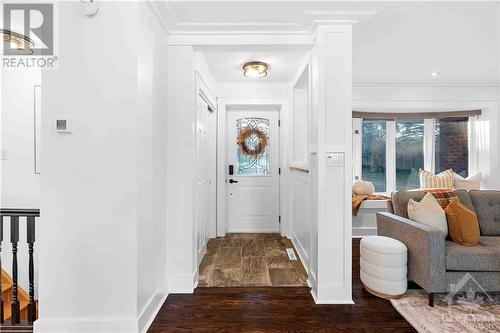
(14, 239)
(31, 240)
(22, 305)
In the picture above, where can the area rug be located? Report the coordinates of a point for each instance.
(465, 312)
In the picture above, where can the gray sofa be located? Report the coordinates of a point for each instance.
(438, 264)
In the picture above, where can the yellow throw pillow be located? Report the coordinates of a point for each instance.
(463, 225)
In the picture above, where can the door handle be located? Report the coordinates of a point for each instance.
(231, 181)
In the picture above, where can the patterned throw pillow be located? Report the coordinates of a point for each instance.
(443, 196)
(441, 180)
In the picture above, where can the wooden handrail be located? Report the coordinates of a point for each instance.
(20, 212)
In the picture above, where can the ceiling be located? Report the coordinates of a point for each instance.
(397, 42)
(226, 62)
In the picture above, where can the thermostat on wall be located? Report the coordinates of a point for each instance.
(63, 125)
(334, 158)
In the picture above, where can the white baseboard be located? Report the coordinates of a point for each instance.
(303, 255)
(333, 295)
(312, 282)
(201, 254)
(148, 314)
(86, 325)
(314, 296)
(139, 324)
(105, 325)
(182, 284)
(341, 294)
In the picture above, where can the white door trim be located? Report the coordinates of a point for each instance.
(223, 105)
(204, 92)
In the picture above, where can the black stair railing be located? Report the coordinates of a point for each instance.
(13, 216)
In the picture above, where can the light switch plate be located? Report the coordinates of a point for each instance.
(334, 158)
(63, 125)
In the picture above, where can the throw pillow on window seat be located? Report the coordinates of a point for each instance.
(360, 187)
(441, 180)
(470, 183)
(463, 225)
(428, 211)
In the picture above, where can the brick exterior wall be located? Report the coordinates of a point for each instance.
(453, 146)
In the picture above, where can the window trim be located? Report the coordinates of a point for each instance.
(390, 155)
(473, 145)
(357, 141)
(429, 144)
(413, 115)
(429, 147)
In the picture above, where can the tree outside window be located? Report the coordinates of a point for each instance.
(409, 153)
(373, 156)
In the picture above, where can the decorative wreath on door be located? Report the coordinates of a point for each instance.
(254, 150)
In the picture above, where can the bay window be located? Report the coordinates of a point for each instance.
(373, 157)
(390, 149)
(409, 153)
(452, 145)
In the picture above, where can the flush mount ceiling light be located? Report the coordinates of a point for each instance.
(15, 41)
(254, 69)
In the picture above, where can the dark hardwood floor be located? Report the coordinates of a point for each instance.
(274, 309)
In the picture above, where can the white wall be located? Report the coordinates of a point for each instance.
(187, 71)
(299, 216)
(401, 97)
(330, 129)
(181, 234)
(300, 115)
(99, 196)
(152, 168)
(19, 185)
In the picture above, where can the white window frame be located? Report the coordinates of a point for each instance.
(473, 146)
(357, 139)
(390, 149)
(390, 156)
(429, 144)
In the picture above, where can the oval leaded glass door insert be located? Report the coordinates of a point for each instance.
(253, 146)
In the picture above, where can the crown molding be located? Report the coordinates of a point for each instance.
(426, 84)
(254, 39)
(308, 23)
(156, 13)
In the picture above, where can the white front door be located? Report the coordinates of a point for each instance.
(252, 171)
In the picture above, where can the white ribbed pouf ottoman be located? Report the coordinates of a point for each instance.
(383, 266)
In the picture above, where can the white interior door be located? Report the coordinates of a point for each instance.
(205, 168)
(252, 171)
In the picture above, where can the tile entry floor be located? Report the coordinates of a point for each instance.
(244, 260)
